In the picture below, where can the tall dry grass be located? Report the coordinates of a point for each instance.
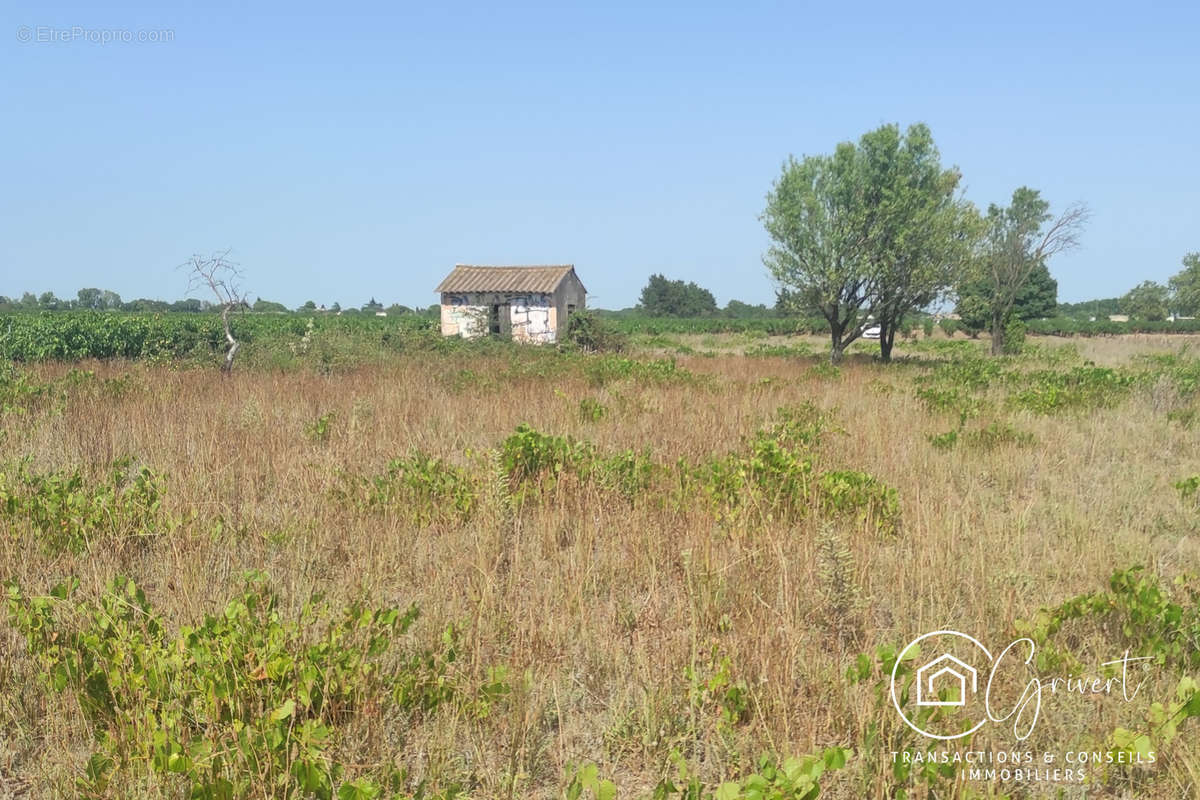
(600, 607)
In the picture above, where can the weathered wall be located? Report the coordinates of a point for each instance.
(463, 315)
(532, 316)
(570, 293)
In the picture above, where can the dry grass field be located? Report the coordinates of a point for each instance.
(678, 588)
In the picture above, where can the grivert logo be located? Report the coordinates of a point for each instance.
(959, 686)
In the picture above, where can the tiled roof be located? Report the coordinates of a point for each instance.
(471, 278)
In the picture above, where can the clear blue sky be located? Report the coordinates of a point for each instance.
(345, 150)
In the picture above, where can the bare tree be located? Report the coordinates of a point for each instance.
(1019, 238)
(221, 276)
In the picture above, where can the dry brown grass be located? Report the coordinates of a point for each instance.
(599, 605)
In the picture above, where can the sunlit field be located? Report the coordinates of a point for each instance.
(510, 572)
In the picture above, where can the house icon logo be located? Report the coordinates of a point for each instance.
(946, 671)
(938, 672)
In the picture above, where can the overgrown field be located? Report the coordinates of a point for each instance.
(504, 572)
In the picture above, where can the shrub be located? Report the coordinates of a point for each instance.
(997, 434)
(424, 488)
(862, 495)
(605, 369)
(591, 333)
(773, 477)
(73, 513)
(1050, 391)
(18, 392)
(628, 472)
(529, 455)
(797, 350)
(1014, 336)
(1152, 620)
(775, 779)
(592, 410)
(944, 441)
(318, 430)
(1189, 489)
(248, 703)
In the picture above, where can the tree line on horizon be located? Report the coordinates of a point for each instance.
(91, 299)
(667, 298)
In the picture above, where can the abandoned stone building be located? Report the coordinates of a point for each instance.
(526, 304)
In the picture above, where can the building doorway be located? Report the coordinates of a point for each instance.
(499, 319)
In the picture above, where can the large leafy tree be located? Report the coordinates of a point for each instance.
(1020, 238)
(667, 298)
(920, 233)
(874, 230)
(1148, 300)
(1185, 287)
(90, 299)
(1036, 298)
(816, 216)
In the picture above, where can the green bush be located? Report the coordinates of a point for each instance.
(1080, 388)
(532, 458)
(949, 326)
(772, 476)
(73, 513)
(775, 779)
(997, 434)
(865, 497)
(1014, 336)
(424, 488)
(247, 703)
(592, 410)
(591, 333)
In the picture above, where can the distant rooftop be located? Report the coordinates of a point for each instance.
(485, 278)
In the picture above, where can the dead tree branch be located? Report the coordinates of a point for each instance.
(221, 276)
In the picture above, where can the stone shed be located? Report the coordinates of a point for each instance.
(526, 304)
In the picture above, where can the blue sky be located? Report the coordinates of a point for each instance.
(360, 149)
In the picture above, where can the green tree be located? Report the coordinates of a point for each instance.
(919, 233)
(1090, 308)
(1019, 238)
(90, 299)
(309, 305)
(667, 298)
(973, 314)
(145, 304)
(873, 231)
(1036, 298)
(1147, 301)
(268, 306)
(739, 310)
(1185, 287)
(49, 301)
(816, 214)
